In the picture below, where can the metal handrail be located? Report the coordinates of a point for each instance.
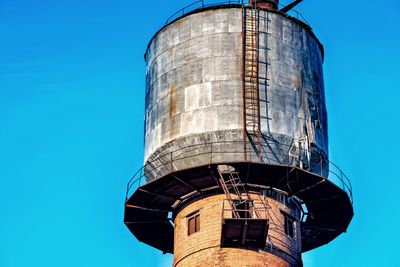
(203, 4)
(296, 14)
(181, 12)
(211, 149)
(189, 8)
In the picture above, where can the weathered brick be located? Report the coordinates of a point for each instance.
(203, 247)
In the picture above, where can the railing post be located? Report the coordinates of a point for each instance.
(141, 173)
(343, 183)
(170, 161)
(211, 152)
(321, 163)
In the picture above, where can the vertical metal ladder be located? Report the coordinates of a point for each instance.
(246, 226)
(255, 83)
(250, 79)
(263, 61)
(232, 184)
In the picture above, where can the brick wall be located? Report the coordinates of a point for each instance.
(203, 247)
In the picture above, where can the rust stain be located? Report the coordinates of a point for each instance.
(174, 122)
(266, 4)
(298, 81)
(173, 106)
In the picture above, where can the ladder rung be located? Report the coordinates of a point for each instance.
(249, 98)
(253, 31)
(265, 19)
(251, 45)
(265, 117)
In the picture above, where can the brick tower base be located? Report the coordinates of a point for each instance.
(198, 227)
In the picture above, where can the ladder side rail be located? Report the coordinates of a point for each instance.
(227, 194)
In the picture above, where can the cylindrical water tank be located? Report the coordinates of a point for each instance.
(194, 92)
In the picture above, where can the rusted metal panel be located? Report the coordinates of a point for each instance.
(265, 4)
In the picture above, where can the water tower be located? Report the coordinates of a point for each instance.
(236, 166)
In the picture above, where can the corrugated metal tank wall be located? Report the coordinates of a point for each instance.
(194, 91)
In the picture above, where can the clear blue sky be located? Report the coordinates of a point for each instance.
(71, 127)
